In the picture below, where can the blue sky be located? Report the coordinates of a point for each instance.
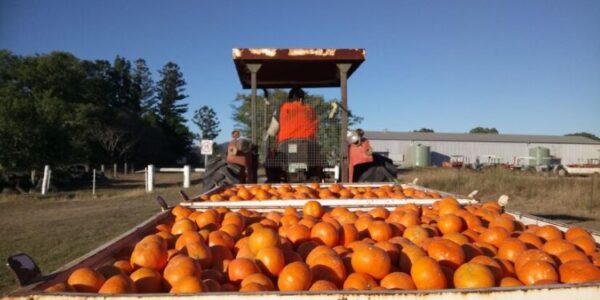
(529, 67)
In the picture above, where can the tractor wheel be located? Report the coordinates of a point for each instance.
(220, 173)
(380, 170)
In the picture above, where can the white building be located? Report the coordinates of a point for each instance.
(505, 148)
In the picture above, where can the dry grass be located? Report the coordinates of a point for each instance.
(572, 200)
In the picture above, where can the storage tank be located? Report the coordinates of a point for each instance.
(418, 156)
(541, 156)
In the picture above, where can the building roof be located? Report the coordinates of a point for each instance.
(479, 137)
(301, 67)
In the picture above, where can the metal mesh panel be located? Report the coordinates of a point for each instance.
(322, 151)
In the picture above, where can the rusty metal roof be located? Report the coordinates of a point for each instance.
(302, 67)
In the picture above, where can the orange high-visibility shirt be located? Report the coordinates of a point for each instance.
(297, 121)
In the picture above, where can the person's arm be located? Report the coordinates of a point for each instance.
(274, 125)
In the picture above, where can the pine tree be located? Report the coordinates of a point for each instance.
(169, 92)
(207, 121)
(142, 88)
(121, 79)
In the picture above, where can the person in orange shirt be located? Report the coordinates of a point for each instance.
(294, 120)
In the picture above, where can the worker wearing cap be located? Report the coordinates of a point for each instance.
(295, 119)
(359, 151)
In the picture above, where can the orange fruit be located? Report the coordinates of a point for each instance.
(510, 281)
(450, 224)
(149, 255)
(324, 233)
(313, 208)
(427, 274)
(188, 285)
(259, 278)
(262, 238)
(576, 232)
(186, 237)
(578, 272)
(585, 244)
(294, 277)
(494, 235)
(147, 280)
(328, 267)
(200, 252)
(532, 254)
(179, 267)
(446, 252)
(323, 285)
(492, 264)
(398, 281)
(58, 288)
(118, 284)
(359, 281)
(557, 246)
(372, 261)
(409, 254)
(473, 275)
(380, 231)
(271, 260)
(535, 271)
(511, 248)
(571, 255)
(531, 240)
(240, 268)
(317, 251)
(182, 225)
(85, 280)
(549, 232)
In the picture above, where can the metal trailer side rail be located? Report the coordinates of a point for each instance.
(546, 292)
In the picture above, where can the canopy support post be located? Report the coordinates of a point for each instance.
(344, 68)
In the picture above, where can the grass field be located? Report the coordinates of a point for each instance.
(63, 226)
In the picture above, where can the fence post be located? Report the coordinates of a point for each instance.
(114, 170)
(125, 168)
(186, 176)
(94, 182)
(45, 179)
(102, 168)
(150, 179)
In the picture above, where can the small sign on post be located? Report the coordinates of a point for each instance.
(206, 149)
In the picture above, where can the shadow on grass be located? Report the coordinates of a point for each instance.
(564, 217)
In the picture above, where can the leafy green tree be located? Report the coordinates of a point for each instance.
(206, 119)
(170, 92)
(424, 130)
(584, 134)
(484, 130)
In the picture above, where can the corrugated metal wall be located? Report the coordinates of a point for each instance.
(442, 150)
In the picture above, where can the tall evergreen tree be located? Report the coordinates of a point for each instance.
(142, 88)
(121, 78)
(207, 121)
(170, 92)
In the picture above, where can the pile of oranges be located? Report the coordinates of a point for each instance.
(315, 191)
(410, 247)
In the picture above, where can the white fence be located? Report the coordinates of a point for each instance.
(151, 170)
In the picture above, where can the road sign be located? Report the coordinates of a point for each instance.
(206, 147)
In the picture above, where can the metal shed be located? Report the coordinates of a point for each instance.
(502, 147)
